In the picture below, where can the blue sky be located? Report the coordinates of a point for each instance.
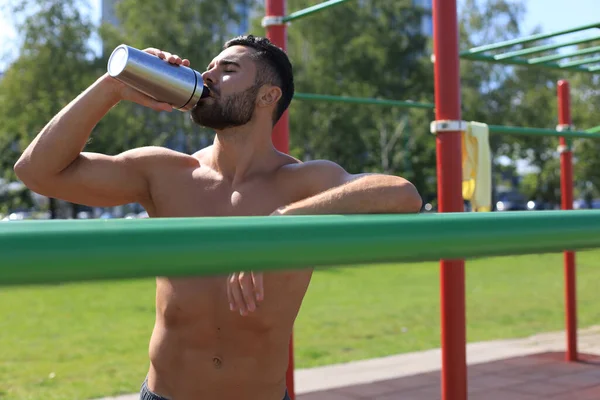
(554, 15)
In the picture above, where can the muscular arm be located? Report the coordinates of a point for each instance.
(332, 190)
(55, 166)
(329, 189)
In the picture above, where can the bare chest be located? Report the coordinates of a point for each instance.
(202, 303)
(190, 196)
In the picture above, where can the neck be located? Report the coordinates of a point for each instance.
(242, 151)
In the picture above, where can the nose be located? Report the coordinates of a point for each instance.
(208, 77)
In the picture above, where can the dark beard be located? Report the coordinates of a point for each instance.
(221, 113)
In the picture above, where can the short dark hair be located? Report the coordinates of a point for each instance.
(276, 68)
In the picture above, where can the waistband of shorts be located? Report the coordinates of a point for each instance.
(146, 394)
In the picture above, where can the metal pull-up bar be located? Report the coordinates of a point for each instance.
(363, 100)
(516, 57)
(529, 39)
(448, 144)
(313, 9)
(121, 249)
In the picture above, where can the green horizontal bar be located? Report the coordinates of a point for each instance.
(311, 10)
(539, 49)
(528, 39)
(589, 60)
(594, 69)
(595, 129)
(554, 57)
(515, 130)
(362, 100)
(35, 252)
(522, 61)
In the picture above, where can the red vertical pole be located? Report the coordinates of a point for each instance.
(277, 34)
(449, 186)
(566, 189)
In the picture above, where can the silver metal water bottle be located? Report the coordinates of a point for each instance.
(177, 85)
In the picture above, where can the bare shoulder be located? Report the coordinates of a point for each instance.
(158, 154)
(316, 175)
(317, 167)
(153, 161)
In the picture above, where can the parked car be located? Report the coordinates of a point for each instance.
(511, 201)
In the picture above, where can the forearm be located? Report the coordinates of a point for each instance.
(370, 194)
(60, 142)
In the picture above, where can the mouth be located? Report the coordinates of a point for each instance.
(211, 92)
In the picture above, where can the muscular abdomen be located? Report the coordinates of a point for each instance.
(201, 349)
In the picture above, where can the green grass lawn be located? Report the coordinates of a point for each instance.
(81, 341)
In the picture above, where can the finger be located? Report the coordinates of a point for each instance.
(153, 51)
(259, 291)
(236, 293)
(174, 59)
(229, 295)
(159, 53)
(185, 62)
(247, 290)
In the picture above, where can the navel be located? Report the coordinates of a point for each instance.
(217, 362)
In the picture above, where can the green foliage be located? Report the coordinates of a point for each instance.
(524, 96)
(585, 105)
(365, 49)
(193, 29)
(53, 67)
(56, 63)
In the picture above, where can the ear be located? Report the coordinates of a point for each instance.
(268, 96)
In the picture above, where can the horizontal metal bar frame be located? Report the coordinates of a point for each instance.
(37, 252)
(363, 100)
(583, 61)
(515, 130)
(554, 57)
(529, 39)
(595, 129)
(311, 10)
(539, 49)
(525, 62)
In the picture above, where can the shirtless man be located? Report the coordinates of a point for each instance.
(216, 338)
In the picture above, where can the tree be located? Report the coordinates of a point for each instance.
(484, 96)
(194, 29)
(585, 102)
(362, 49)
(54, 65)
(517, 96)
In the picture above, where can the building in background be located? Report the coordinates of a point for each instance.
(108, 12)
